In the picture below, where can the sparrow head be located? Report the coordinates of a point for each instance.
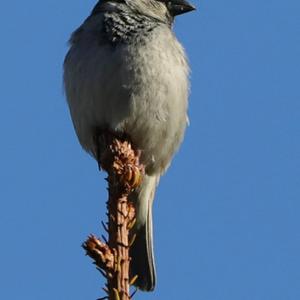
(161, 9)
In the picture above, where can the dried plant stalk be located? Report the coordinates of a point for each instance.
(112, 258)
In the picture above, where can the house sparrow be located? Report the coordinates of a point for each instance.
(126, 72)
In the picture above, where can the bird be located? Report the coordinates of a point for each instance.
(126, 72)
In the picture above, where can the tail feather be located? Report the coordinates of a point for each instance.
(141, 252)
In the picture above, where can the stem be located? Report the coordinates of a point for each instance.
(124, 175)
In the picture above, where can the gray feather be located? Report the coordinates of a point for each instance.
(141, 252)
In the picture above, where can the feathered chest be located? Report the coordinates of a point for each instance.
(124, 28)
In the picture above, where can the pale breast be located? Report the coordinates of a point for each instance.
(140, 87)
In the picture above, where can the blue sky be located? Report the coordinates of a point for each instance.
(227, 212)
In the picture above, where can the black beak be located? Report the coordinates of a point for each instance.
(178, 7)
